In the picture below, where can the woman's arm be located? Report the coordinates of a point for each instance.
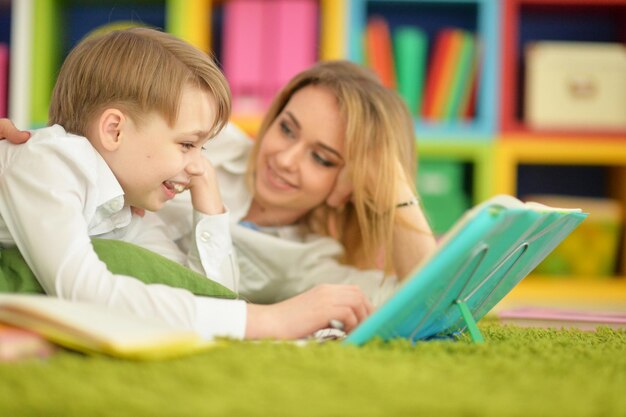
(10, 132)
(413, 239)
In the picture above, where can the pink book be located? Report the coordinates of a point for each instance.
(243, 53)
(17, 344)
(558, 318)
(4, 79)
(290, 45)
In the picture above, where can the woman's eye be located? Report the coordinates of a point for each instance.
(188, 145)
(284, 127)
(322, 161)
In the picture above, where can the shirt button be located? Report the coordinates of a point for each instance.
(117, 204)
(205, 236)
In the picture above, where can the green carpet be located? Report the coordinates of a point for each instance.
(517, 372)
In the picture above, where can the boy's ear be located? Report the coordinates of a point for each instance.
(110, 127)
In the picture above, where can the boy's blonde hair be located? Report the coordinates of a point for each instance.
(137, 70)
(379, 133)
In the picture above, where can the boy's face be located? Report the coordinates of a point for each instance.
(155, 161)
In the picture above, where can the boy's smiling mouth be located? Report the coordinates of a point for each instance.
(175, 187)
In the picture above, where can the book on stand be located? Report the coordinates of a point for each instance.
(480, 260)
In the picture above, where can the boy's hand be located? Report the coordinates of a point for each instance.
(205, 192)
(309, 312)
(10, 132)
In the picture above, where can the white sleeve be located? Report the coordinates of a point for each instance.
(211, 250)
(42, 200)
(274, 269)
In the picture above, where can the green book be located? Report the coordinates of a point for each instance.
(410, 46)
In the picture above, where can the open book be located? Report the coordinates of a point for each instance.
(485, 254)
(93, 328)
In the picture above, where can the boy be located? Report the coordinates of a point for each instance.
(129, 114)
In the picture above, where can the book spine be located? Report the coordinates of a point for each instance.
(461, 78)
(242, 51)
(435, 72)
(467, 108)
(410, 57)
(379, 50)
(291, 42)
(444, 88)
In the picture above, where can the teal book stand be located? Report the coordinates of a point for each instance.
(487, 253)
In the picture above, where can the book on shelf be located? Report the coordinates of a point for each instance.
(450, 77)
(265, 44)
(290, 42)
(461, 78)
(480, 260)
(379, 50)
(92, 328)
(243, 57)
(438, 73)
(410, 47)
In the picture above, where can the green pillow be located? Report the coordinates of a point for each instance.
(121, 258)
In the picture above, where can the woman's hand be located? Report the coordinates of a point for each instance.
(342, 190)
(308, 312)
(10, 132)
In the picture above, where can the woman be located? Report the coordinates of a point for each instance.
(324, 195)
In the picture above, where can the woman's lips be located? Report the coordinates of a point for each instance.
(277, 181)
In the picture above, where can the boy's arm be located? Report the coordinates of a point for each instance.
(45, 200)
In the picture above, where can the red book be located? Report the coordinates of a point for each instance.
(444, 78)
(435, 74)
(379, 51)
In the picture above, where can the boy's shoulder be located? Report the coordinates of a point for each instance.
(55, 139)
(47, 142)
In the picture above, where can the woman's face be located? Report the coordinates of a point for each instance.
(301, 153)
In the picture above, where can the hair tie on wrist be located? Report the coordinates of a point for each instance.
(411, 202)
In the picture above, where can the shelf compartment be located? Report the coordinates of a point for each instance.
(526, 21)
(604, 160)
(478, 154)
(478, 16)
(59, 24)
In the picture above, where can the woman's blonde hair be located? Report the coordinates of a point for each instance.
(138, 70)
(379, 133)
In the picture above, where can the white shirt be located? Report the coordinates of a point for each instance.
(275, 263)
(56, 191)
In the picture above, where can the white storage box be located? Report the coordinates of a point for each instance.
(575, 85)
